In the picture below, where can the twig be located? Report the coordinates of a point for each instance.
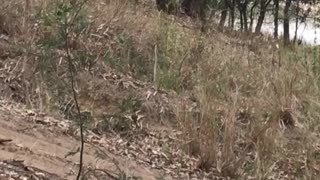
(2, 141)
(155, 66)
(110, 174)
(72, 71)
(181, 63)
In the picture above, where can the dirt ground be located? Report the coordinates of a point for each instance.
(42, 148)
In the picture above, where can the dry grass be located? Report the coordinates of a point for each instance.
(257, 106)
(264, 105)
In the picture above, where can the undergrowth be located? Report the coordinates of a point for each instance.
(257, 107)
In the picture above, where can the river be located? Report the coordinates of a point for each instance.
(308, 32)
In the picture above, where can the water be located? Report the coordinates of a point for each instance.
(307, 32)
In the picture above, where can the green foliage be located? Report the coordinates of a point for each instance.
(169, 79)
(84, 60)
(129, 104)
(214, 4)
(316, 60)
(54, 18)
(120, 122)
(127, 58)
(52, 63)
(172, 50)
(122, 125)
(114, 123)
(249, 167)
(86, 118)
(310, 56)
(61, 11)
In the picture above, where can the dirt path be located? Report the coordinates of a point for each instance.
(46, 147)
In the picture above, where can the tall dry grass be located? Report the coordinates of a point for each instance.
(256, 108)
(265, 108)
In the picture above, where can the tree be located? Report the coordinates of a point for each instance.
(168, 6)
(242, 6)
(263, 9)
(297, 11)
(286, 19)
(276, 17)
(254, 5)
(231, 5)
(197, 9)
(224, 13)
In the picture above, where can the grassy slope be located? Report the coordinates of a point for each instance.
(256, 105)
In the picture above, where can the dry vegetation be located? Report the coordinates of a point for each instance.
(246, 107)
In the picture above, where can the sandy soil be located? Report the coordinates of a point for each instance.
(45, 146)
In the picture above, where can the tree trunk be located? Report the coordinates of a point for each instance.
(241, 19)
(260, 20)
(263, 9)
(186, 6)
(203, 15)
(223, 17)
(245, 18)
(286, 21)
(297, 22)
(231, 5)
(276, 17)
(232, 17)
(252, 14)
(242, 7)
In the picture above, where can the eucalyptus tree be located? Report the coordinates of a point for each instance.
(286, 21)
(262, 13)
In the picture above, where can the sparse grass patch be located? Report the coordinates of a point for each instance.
(13, 17)
(127, 59)
(198, 127)
(175, 53)
(169, 80)
(130, 104)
